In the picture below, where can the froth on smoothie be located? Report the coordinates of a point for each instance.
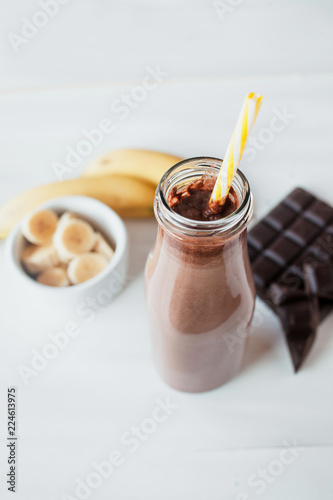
(192, 200)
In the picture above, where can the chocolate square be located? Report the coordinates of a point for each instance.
(253, 253)
(297, 266)
(326, 243)
(329, 229)
(319, 280)
(302, 231)
(281, 217)
(299, 199)
(319, 213)
(265, 270)
(261, 236)
(283, 250)
(291, 280)
(319, 253)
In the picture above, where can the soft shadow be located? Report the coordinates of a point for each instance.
(142, 236)
(256, 349)
(263, 339)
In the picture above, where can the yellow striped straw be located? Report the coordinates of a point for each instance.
(236, 147)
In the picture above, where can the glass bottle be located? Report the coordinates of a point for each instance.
(199, 286)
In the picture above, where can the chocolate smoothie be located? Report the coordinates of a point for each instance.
(192, 201)
(199, 288)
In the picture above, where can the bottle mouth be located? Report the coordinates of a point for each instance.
(187, 171)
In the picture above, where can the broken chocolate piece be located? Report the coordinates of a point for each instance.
(299, 315)
(299, 318)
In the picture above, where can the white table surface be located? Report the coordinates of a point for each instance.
(75, 411)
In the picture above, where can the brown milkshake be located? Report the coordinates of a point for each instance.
(199, 286)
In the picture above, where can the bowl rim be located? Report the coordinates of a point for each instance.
(120, 238)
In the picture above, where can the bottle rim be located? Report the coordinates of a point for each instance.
(189, 169)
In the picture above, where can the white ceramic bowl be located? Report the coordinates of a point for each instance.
(30, 295)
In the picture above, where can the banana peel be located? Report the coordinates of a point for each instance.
(128, 196)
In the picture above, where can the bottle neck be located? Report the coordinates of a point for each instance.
(186, 172)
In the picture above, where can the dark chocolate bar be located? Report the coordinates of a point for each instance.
(291, 252)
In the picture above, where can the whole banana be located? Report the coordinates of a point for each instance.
(143, 164)
(123, 179)
(128, 196)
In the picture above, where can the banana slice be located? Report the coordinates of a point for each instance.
(73, 238)
(103, 247)
(36, 259)
(39, 227)
(54, 276)
(67, 216)
(63, 266)
(85, 266)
